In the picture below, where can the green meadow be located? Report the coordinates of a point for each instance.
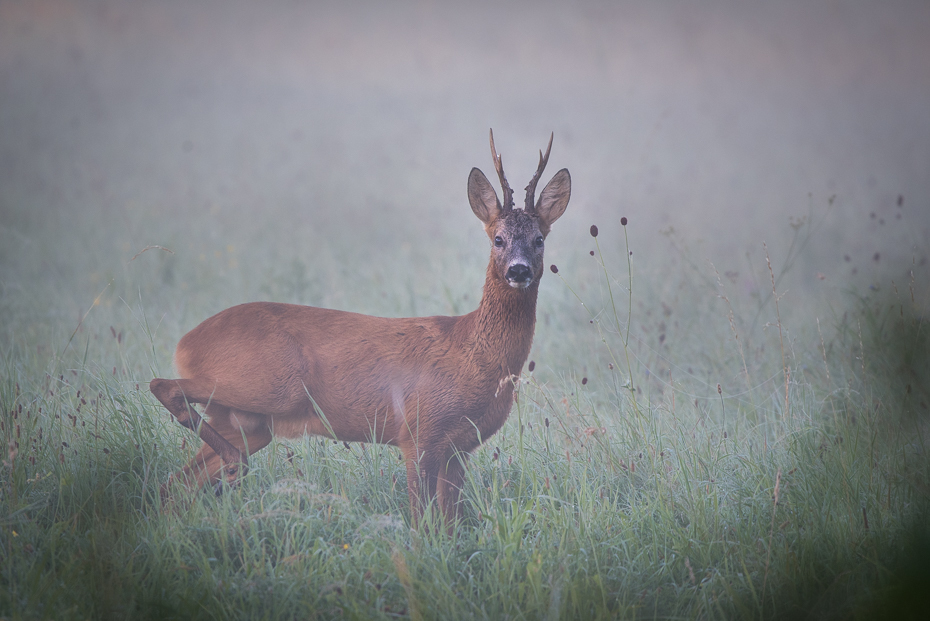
(726, 414)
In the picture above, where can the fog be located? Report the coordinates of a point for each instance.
(348, 130)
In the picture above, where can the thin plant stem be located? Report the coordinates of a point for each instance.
(781, 338)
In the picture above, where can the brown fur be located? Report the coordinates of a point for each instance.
(436, 387)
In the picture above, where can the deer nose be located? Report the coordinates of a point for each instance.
(519, 274)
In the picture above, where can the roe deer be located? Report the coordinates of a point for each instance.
(436, 387)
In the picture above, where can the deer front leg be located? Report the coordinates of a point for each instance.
(422, 473)
(434, 482)
(449, 487)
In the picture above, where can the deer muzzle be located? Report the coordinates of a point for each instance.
(519, 276)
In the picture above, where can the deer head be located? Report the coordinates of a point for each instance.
(518, 235)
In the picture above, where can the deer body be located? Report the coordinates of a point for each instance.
(434, 386)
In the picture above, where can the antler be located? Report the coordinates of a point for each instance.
(530, 205)
(499, 167)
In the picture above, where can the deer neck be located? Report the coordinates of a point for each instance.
(504, 323)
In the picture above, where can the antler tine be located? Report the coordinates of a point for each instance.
(530, 204)
(499, 166)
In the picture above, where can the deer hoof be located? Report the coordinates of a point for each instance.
(229, 477)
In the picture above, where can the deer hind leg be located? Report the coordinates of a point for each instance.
(247, 432)
(229, 438)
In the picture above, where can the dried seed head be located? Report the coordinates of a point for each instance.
(584, 380)
(623, 221)
(531, 366)
(591, 253)
(554, 269)
(593, 230)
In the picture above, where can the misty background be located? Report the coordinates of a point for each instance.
(161, 161)
(318, 153)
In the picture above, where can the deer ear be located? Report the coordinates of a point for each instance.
(554, 198)
(482, 197)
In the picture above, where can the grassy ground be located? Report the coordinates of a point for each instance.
(713, 428)
(626, 484)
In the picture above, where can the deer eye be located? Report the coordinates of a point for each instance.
(499, 241)
(539, 241)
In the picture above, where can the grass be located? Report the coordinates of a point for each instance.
(671, 455)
